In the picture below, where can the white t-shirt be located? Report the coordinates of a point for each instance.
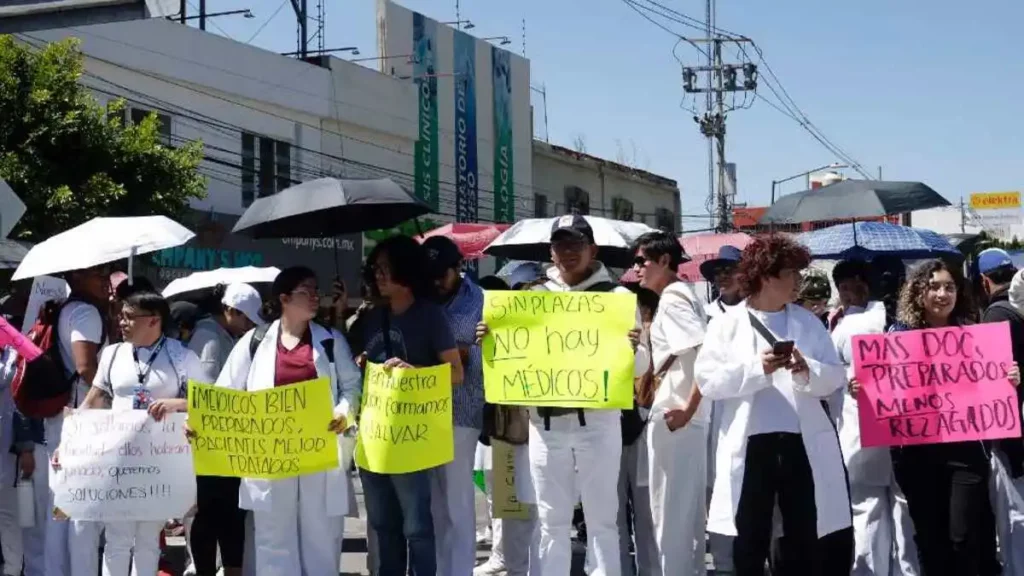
(774, 408)
(165, 376)
(678, 328)
(716, 308)
(79, 322)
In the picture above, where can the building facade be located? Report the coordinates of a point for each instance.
(269, 121)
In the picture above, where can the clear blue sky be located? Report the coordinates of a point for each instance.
(929, 90)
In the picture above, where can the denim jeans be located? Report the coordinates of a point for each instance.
(398, 508)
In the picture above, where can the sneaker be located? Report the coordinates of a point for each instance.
(190, 571)
(484, 536)
(489, 568)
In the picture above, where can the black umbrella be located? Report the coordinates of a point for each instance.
(851, 199)
(12, 253)
(330, 207)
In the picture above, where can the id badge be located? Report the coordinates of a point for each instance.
(141, 398)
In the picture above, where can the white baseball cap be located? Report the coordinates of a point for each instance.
(246, 300)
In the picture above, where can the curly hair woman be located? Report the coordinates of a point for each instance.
(770, 363)
(946, 485)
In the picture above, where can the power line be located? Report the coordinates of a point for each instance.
(267, 21)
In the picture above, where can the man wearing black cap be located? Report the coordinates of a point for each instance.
(721, 273)
(572, 448)
(452, 494)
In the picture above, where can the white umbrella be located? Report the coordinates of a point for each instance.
(100, 241)
(530, 239)
(211, 278)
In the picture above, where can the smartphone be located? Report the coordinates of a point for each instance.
(783, 348)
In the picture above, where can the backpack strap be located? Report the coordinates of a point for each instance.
(328, 346)
(258, 334)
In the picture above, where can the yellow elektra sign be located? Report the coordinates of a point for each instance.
(559, 349)
(277, 433)
(995, 200)
(405, 424)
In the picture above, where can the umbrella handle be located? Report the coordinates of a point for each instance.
(131, 266)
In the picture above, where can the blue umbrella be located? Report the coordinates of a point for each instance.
(864, 240)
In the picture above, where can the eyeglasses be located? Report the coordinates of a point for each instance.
(130, 317)
(309, 294)
(640, 262)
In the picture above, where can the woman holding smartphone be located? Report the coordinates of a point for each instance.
(769, 363)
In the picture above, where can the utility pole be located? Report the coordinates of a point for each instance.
(202, 14)
(720, 78)
(963, 216)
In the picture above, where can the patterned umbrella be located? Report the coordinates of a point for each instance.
(863, 240)
(470, 238)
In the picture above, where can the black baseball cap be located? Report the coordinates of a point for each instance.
(572, 224)
(442, 254)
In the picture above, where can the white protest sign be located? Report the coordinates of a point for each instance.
(44, 289)
(123, 465)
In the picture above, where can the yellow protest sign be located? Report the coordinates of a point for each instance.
(562, 349)
(503, 470)
(276, 433)
(406, 419)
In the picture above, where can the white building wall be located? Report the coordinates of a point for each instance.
(555, 169)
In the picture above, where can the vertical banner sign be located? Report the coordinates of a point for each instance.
(123, 465)
(559, 349)
(271, 434)
(935, 386)
(424, 70)
(405, 424)
(466, 174)
(504, 182)
(503, 470)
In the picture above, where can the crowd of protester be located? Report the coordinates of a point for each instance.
(743, 446)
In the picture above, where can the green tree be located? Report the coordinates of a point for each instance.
(71, 159)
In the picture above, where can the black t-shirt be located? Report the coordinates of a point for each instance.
(418, 335)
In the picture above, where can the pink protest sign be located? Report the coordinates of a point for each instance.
(937, 385)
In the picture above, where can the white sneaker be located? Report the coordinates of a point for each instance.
(489, 568)
(190, 571)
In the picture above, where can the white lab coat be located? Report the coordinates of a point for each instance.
(882, 530)
(318, 513)
(728, 369)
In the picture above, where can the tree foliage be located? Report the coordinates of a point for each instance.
(71, 159)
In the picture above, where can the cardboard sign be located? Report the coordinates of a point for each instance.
(935, 386)
(406, 419)
(123, 465)
(503, 470)
(560, 349)
(276, 433)
(44, 289)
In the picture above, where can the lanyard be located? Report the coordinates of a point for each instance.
(144, 374)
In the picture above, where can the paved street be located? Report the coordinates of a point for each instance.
(353, 557)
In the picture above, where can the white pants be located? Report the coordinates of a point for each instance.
(678, 492)
(10, 530)
(633, 482)
(84, 543)
(883, 532)
(1008, 505)
(296, 536)
(40, 560)
(596, 449)
(514, 543)
(452, 504)
(132, 540)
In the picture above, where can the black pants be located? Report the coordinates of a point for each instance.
(947, 492)
(776, 466)
(218, 521)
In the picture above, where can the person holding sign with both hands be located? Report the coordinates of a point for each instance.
(147, 371)
(770, 363)
(408, 330)
(947, 485)
(590, 441)
(298, 521)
